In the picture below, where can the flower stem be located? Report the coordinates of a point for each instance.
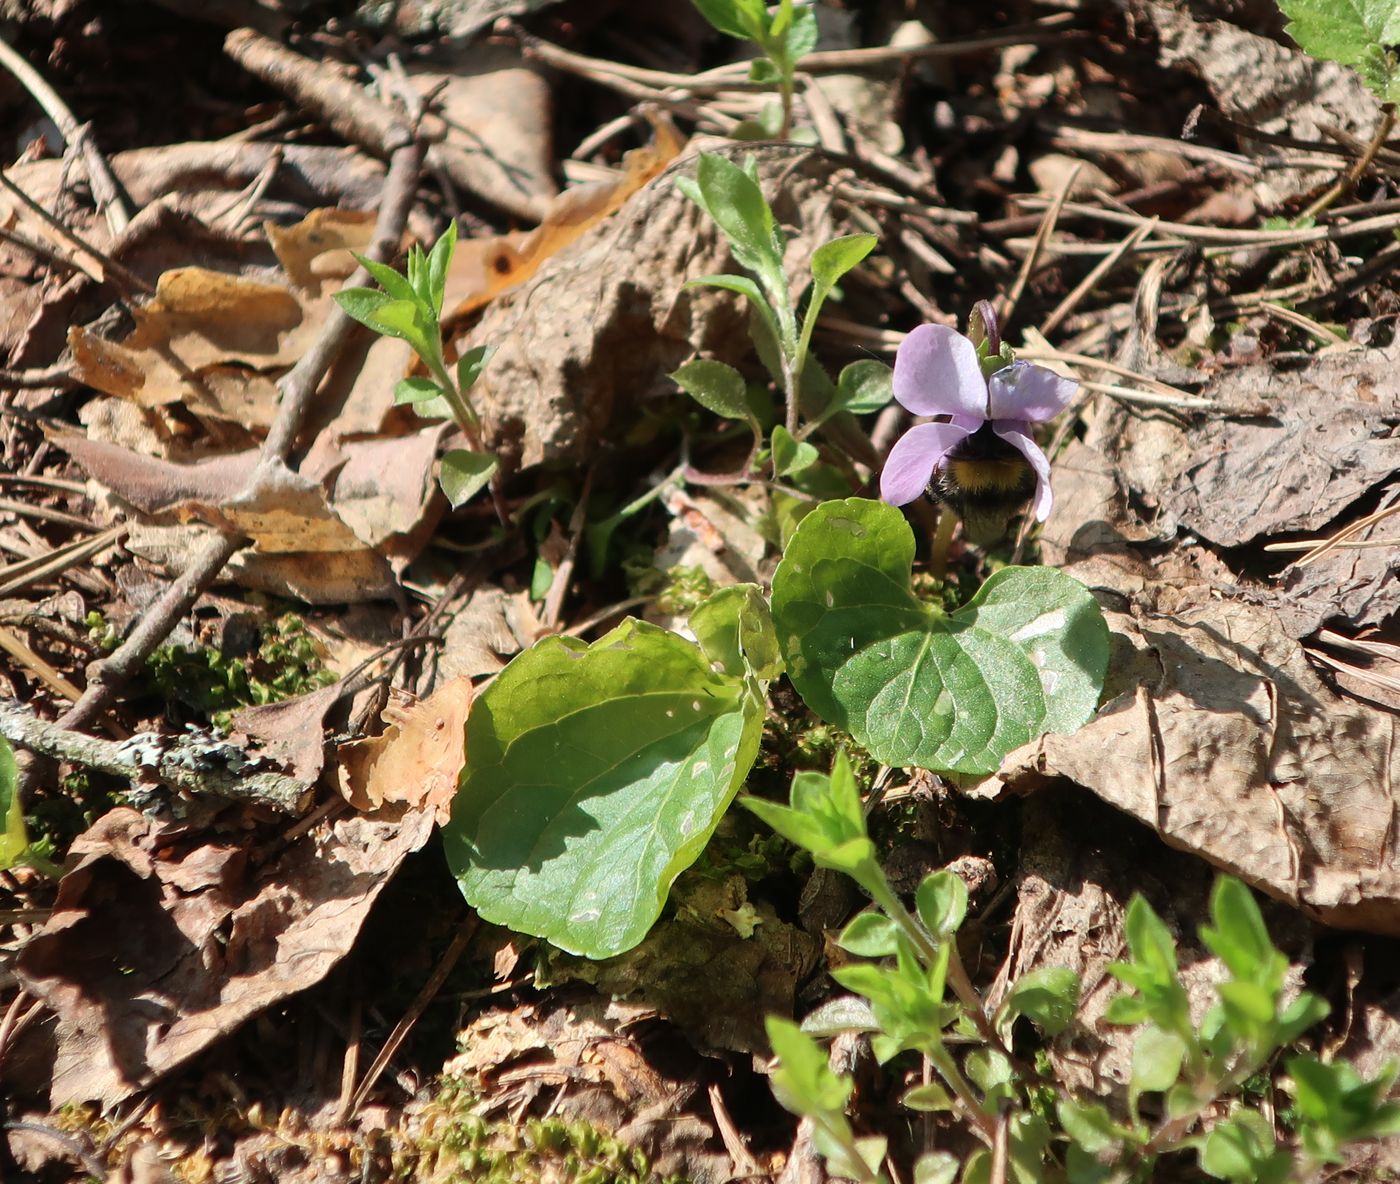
(942, 542)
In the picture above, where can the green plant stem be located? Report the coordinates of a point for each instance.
(942, 1061)
(957, 973)
(467, 419)
(840, 1133)
(942, 541)
(1207, 1093)
(45, 867)
(785, 89)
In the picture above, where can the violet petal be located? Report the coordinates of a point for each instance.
(936, 372)
(1014, 433)
(912, 460)
(1029, 392)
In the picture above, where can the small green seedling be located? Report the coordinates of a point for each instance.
(910, 993)
(409, 307)
(15, 848)
(782, 35)
(732, 197)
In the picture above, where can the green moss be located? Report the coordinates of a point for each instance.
(213, 684)
(450, 1143)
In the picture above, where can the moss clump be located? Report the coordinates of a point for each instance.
(449, 1143)
(287, 663)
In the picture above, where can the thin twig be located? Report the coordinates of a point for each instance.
(59, 376)
(119, 273)
(1224, 236)
(1008, 302)
(298, 389)
(1345, 534)
(411, 1016)
(1087, 284)
(79, 135)
(52, 563)
(1348, 179)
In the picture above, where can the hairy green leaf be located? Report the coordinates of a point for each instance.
(790, 455)
(866, 385)
(465, 474)
(470, 366)
(733, 199)
(716, 387)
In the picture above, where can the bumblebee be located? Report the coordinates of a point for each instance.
(986, 482)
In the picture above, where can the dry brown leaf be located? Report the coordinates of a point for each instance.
(344, 544)
(490, 629)
(1217, 732)
(293, 732)
(602, 323)
(1325, 447)
(416, 760)
(490, 123)
(215, 342)
(1265, 84)
(157, 948)
(484, 268)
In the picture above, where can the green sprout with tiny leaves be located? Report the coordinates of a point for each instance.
(781, 326)
(909, 992)
(408, 305)
(782, 34)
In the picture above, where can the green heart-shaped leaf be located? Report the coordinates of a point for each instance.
(952, 692)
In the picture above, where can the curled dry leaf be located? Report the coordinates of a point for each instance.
(490, 629)
(336, 531)
(1324, 446)
(1217, 731)
(484, 268)
(159, 944)
(1261, 82)
(416, 760)
(215, 342)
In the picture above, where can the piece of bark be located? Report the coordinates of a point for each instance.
(601, 324)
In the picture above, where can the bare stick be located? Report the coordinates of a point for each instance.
(1007, 305)
(415, 1009)
(37, 379)
(1101, 269)
(104, 186)
(195, 763)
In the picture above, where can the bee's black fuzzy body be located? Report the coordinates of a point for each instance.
(986, 482)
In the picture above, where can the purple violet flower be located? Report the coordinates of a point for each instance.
(937, 372)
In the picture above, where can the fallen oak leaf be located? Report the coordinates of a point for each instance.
(416, 760)
(216, 342)
(157, 948)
